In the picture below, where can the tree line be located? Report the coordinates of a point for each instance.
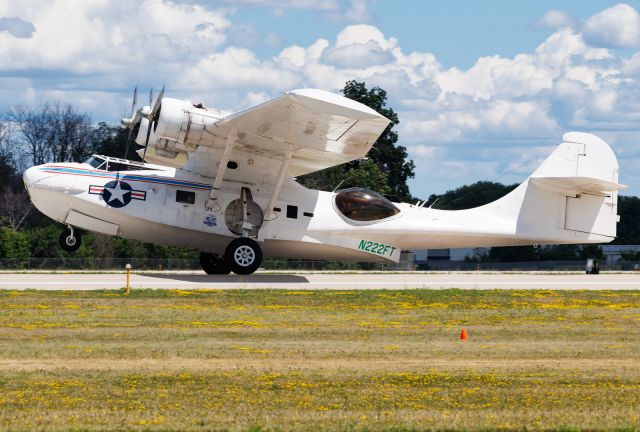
(57, 132)
(484, 192)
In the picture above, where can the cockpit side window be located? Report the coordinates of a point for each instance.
(364, 205)
(96, 162)
(117, 166)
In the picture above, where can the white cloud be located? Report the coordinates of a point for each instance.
(556, 19)
(425, 151)
(357, 12)
(96, 36)
(357, 55)
(236, 69)
(322, 5)
(562, 47)
(616, 27)
(492, 111)
(361, 34)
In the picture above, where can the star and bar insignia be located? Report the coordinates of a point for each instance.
(117, 193)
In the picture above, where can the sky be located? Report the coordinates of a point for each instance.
(484, 90)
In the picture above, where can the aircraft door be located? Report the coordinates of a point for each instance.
(243, 216)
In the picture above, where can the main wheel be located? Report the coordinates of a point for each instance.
(244, 256)
(214, 264)
(69, 242)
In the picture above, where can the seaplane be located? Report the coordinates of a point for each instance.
(225, 184)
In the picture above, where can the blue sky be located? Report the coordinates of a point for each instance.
(484, 89)
(457, 32)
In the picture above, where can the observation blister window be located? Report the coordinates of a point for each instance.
(364, 205)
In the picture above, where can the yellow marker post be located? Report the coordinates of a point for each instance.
(127, 290)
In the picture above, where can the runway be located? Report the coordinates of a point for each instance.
(313, 281)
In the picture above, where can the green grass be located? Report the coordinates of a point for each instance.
(311, 360)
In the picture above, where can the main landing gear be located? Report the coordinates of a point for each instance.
(69, 240)
(214, 264)
(243, 256)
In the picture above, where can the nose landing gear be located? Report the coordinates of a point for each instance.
(69, 240)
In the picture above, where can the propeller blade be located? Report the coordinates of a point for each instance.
(155, 112)
(132, 124)
(156, 106)
(151, 97)
(126, 149)
(133, 128)
(135, 100)
(146, 142)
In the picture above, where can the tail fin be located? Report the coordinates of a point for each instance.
(571, 198)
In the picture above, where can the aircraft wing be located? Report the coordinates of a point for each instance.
(318, 129)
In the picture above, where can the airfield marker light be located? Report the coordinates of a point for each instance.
(463, 335)
(127, 290)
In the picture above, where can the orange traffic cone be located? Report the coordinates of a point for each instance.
(463, 335)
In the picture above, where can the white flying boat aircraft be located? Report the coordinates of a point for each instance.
(224, 184)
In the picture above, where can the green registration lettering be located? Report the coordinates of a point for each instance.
(376, 248)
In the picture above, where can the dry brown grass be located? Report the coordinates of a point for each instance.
(337, 360)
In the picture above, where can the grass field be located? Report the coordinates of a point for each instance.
(312, 360)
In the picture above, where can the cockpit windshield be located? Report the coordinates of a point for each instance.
(364, 205)
(113, 164)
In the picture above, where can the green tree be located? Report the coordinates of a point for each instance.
(513, 253)
(391, 159)
(591, 251)
(470, 196)
(629, 226)
(109, 140)
(559, 252)
(7, 159)
(368, 175)
(327, 179)
(13, 244)
(630, 255)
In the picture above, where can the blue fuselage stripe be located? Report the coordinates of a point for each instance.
(129, 177)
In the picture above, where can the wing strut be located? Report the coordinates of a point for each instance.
(212, 203)
(269, 215)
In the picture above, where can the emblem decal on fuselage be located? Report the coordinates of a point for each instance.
(210, 220)
(117, 193)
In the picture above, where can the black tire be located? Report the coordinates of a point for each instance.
(244, 256)
(214, 264)
(69, 243)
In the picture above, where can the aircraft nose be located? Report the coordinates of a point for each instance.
(31, 176)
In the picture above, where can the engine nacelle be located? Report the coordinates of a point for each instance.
(177, 131)
(182, 122)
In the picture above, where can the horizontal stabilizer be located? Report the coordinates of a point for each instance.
(578, 184)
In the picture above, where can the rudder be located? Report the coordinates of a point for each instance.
(582, 175)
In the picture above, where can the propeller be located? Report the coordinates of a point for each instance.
(132, 123)
(153, 117)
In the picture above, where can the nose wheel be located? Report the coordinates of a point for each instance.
(243, 255)
(69, 240)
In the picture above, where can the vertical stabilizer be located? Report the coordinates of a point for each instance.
(574, 193)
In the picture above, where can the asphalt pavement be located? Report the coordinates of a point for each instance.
(302, 281)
